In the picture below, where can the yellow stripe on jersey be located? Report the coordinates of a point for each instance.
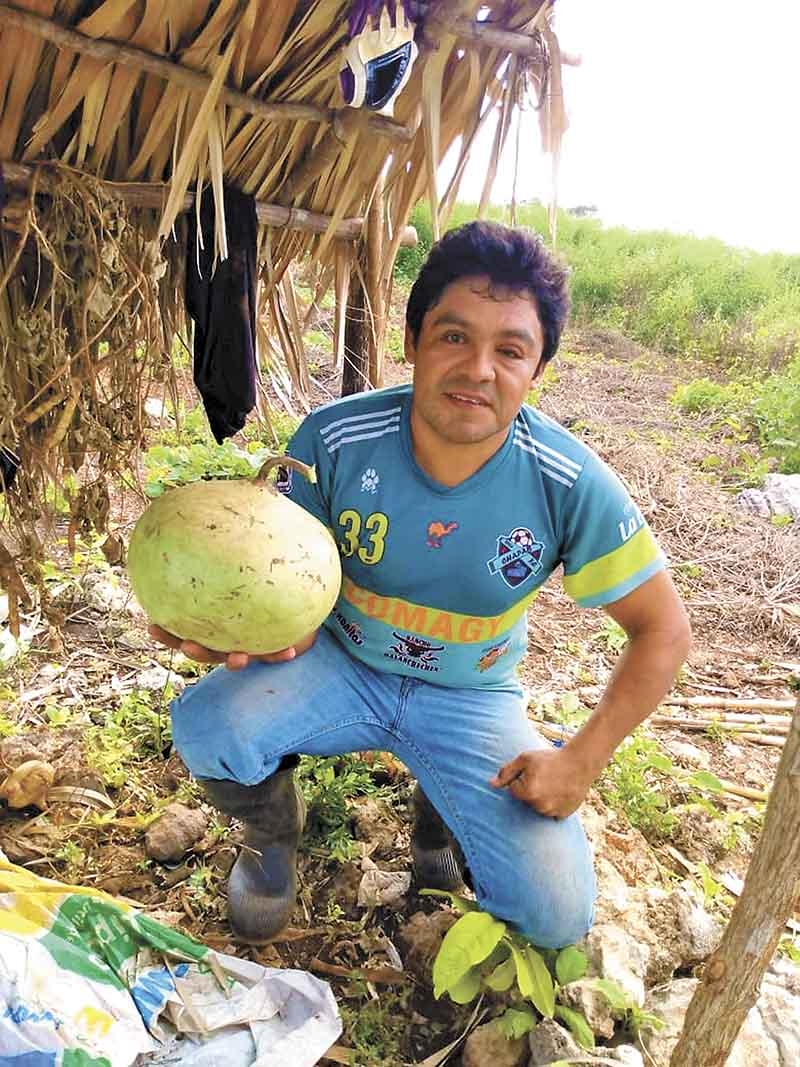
(432, 622)
(614, 569)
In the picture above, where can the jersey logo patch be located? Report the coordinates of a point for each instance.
(519, 555)
(414, 652)
(370, 480)
(492, 655)
(437, 530)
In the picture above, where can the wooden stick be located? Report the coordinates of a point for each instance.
(729, 704)
(378, 975)
(147, 62)
(722, 724)
(731, 978)
(154, 195)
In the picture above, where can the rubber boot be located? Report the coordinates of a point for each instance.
(438, 859)
(262, 888)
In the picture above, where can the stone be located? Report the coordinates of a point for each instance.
(174, 832)
(375, 823)
(689, 755)
(487, 1046)
(700, 931)
(628, 1055)
(613, 894)
(699, 835)
(156, 678)
(583, 997)
(549, 1042)
(614, 954)
(421, 938)
(103, 593)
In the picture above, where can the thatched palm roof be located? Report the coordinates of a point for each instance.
(163, 96)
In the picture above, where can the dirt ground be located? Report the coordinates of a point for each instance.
(739, 576)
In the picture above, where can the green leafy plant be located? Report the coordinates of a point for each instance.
(635, 1018)
(167, 466)
(328, 783)
(481, 953)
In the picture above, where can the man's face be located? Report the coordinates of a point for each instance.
(477, 355)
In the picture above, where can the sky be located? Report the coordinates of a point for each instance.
(684, 116)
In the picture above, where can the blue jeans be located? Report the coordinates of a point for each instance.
(527, 869)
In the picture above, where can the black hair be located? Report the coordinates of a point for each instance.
(511, 259)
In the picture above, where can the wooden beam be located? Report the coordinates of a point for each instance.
(146, 62)
(154, 195)
(488, 35)
(731, 977)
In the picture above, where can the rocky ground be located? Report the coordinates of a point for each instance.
(672, 823)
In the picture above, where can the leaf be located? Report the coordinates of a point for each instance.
(543, 993)
(578, 1026)
(502, 977)
(515, 1023)
(467, 943)
(616, 997)
(706, 780)
(466, 988)
(661, 763)
(571, 965)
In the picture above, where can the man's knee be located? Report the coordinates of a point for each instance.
(557, 919)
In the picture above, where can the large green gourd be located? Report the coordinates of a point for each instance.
(234, 565)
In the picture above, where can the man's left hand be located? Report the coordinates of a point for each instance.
(552, 781)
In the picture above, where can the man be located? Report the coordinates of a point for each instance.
(452, 501)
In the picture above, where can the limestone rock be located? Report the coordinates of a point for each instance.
(689, 755)
(614, 954)
(487, 1046)
(549, 1042)
(174, 832)
(420, 939)
(156, 678)
(628, 1055)
(376, 824)
(583, 997)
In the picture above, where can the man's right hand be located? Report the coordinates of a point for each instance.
(234, 661)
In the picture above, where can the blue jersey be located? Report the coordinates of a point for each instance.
(438, 580)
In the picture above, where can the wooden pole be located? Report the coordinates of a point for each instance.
(147, 62)
(154, 195)
(355, 372)
(375, 224)
(731, 978)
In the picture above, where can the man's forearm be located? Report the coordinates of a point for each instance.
(643, 675)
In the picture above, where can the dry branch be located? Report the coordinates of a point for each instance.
(147, 63)
(729, 704)
(731, 978)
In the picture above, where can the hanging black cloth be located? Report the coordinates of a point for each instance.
(223, 306)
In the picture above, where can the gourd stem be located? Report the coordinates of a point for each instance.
(286, 461)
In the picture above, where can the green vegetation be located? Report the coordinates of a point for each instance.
(188, 452)
(328, 783)
(683, 296)
(480, 954)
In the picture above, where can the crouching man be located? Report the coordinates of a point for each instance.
(452, 501)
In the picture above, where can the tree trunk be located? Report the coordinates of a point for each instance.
(732, 976)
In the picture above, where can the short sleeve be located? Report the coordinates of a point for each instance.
(608, 550)
(306, 445)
